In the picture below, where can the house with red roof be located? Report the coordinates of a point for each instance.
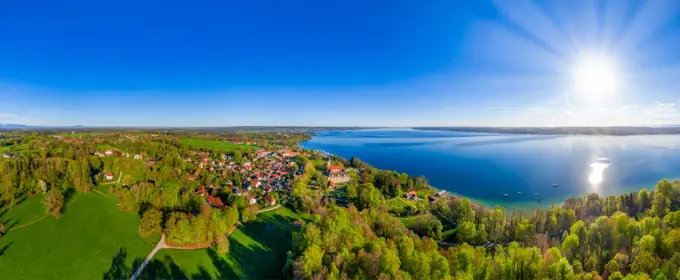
(109, 176)
(215, 201)
(202, 191)
(411, 195)
(270, 200)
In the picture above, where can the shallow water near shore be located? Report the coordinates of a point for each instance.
(486, 166)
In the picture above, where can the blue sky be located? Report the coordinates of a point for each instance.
(336, 63)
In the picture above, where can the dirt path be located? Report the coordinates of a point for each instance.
(269, 209)
(161, 244)
(100, 192)
(164, 245)
(29, 223)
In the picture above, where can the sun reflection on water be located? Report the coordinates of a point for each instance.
(597, 168)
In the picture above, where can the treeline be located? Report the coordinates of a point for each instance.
(635, 234)
(343, 243)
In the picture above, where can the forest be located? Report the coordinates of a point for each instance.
(630, 236)
(354, 231)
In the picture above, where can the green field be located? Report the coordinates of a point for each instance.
(215, 145)
(91, 238)
(257, 250)
(399, 205)
(410, 221)
(13, 148)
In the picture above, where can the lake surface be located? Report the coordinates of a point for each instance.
(485, 166)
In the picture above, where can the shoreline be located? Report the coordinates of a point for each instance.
(524, 205)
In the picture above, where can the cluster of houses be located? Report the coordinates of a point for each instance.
(69, 139)
(438, 195)
(268, 171)
(111, 152)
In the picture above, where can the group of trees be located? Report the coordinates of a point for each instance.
(342, 243)
(210, 226)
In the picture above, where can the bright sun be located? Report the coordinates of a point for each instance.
(595, 76)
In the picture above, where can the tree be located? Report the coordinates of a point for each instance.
(311, 261)
(643, 201)
(42, 186)
(664, 187)
(464, 211)
(222, 244)
(466, 232)
(644, 262)
(569, 244)
(54, 202)
(150, 223)
(647, 243)
(369, 196)
(660, 206)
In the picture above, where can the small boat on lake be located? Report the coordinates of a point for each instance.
(506, 195)
(536, 194)
(555, 186)
(519, 193)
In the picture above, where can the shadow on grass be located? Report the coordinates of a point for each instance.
(4, 248)
(261, 256)
(8, 224)
(69, 194)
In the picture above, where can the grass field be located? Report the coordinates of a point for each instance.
(91, 238)
(410, 221)
(13, 148)
(215, 145)
(399, 205)
(257, 251)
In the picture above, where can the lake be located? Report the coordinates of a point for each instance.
(486, 166)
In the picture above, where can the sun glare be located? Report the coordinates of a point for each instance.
(595, 76)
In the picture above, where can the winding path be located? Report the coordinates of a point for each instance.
(269, 209)
(163, 245)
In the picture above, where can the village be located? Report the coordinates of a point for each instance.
(257, 175)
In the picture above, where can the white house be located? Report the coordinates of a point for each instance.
(138, 156)
(253, 200)
(108, 152)
(109, 176)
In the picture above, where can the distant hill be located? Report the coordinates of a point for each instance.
(12, 125)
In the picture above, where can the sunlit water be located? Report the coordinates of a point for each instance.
(546, 169)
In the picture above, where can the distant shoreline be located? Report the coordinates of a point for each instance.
(584, 130)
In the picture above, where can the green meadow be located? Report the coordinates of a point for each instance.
(215, 145)
(83, 244)
(399, 205)
(257, 251)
